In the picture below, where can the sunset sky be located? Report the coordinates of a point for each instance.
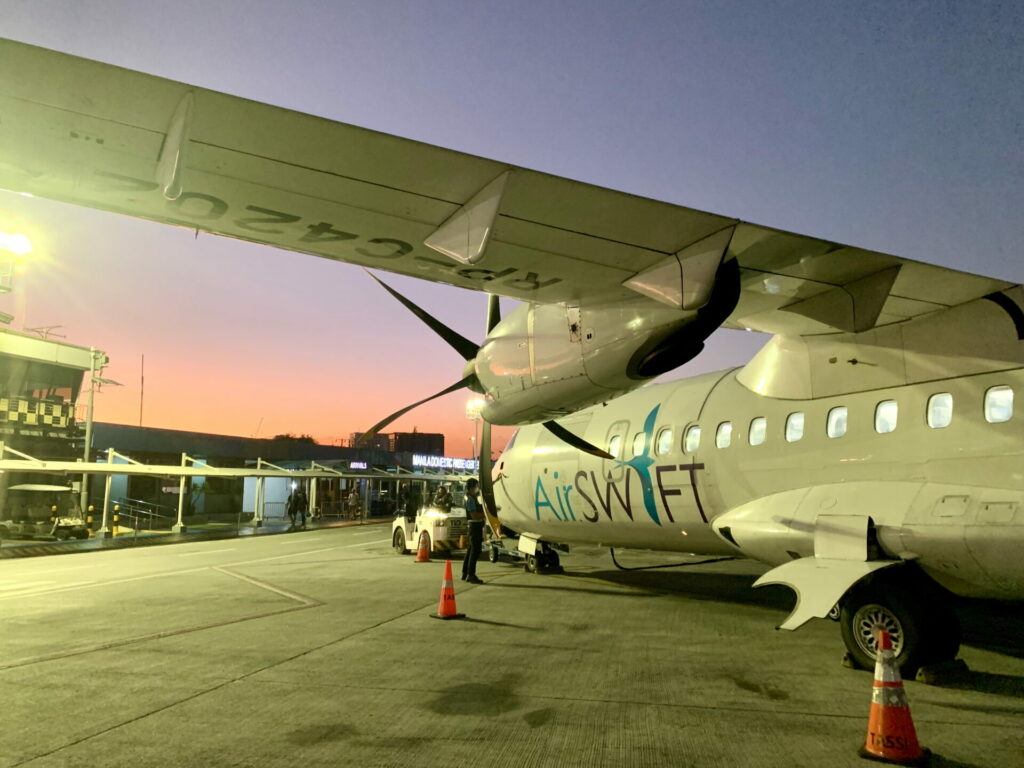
(894, 126)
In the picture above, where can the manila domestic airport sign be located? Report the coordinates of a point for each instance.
(444, 462)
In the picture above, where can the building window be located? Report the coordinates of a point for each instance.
(886, 413)
(794, 427)
(758, 429)
(664, 442)
(692, 441)
(940, 410)
(998, 404)
(615, 445)
(836, 425)
(723, 435)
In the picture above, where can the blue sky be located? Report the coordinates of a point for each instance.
(895, 126)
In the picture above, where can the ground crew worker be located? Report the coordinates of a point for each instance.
(475, 522)
(443, 499)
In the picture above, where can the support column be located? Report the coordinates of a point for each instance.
(179, 526)
(257, 512)
(105, 531)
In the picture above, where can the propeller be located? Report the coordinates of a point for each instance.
(468, 350)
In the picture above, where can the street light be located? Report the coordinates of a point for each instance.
(473, 408)
(97, 362)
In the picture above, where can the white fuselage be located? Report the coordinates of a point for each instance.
(939, 469)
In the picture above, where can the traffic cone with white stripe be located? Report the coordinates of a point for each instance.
(446, 605)
(891, 736)
(423, 553)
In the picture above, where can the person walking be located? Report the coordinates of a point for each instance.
(475, 521)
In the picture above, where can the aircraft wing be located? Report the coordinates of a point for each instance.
(97, 135)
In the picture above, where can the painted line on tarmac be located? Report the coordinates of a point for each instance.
(47, 590)
(205, 552)
(24, 585)
(310, 552)
(306, 601)
(364, 533)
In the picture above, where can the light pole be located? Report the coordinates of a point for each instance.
(97, 361)
(473, 407)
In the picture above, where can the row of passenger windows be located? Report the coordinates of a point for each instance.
(998, 408)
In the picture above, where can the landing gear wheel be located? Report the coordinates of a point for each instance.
(922, 629)
(530, 564)
(493, 555)
(398, 542)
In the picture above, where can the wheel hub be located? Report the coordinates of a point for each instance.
(871, 618)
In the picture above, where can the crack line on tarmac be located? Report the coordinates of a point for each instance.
(224, 684)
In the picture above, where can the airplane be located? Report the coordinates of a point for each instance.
(869, 452)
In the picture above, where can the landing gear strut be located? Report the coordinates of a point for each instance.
(545, 560)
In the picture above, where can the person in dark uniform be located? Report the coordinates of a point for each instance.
(475, 521)
(297, 506)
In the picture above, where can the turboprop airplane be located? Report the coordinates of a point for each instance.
(869, 452)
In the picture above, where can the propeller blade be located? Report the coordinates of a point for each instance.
(575, 441)
(493, 311)
(456, 341)
(487, 480)
(384, 422)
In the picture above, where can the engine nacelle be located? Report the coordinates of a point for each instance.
(545, 360)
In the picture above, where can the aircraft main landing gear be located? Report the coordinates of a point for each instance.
(923, 628)
(545, 560)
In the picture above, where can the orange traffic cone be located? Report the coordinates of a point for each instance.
(891, 736)
(423, 553)
(446, 605)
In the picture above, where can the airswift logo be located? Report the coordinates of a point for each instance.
(642, 465)
(585, 496)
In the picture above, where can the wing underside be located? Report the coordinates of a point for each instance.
(93, 134)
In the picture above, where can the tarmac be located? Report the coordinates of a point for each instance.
(317, 648)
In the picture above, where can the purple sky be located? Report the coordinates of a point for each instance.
(893, 126)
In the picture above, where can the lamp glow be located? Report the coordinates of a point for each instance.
(17, 244)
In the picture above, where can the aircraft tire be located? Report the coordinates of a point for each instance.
(398, 542)
(922, 630)
(530, 564)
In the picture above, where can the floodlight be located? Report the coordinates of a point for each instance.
(17, 244)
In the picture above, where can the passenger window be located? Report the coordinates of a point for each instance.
(664, 442)
(639, 443)
(836, 425)
(885, 416)
(723, 435)
(940, 410)
(692, 441)
(794, 427)
(615, 445)
(758, 429)
(998, 404)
